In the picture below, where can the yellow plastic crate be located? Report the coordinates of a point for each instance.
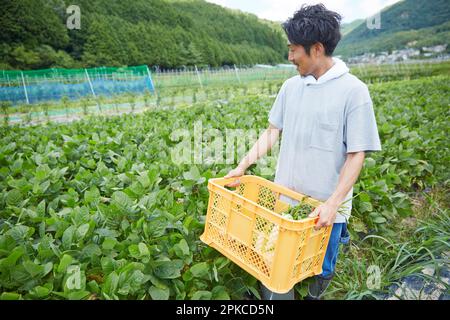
(244, 225)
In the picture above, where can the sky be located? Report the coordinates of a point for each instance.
(281, 10)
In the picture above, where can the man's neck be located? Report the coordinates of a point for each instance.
(326, 65)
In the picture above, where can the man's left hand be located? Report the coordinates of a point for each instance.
(327, 215)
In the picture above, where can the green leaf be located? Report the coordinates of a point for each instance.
(187, 276)
(134, 251)
(168, 269)
(14, 198)
(41, 208)
(380, 220)
(365, 207)
(143, 249)
(67, 237)
(44, 186)
(158, 293)
(302, 290)
(137, 189)
(200, 270)
(202, 295)
(92, 196)
(220, 293)
(121, 200)
(77, 295)
(193, 174)
(358, 226)
(20, 233)
(65, 261)
(91, 250)
(93, 286)
(82, 230)
(33, 269)
(17, 166)
(12, 258)
(370, 163)
(255, 292)
(364, 197)
(10, 296)
(109, 243)
(111, 283)
(108, 264)
(47, 268)
(41, 292)
(121, 164)
(144, 180)
(221, 262)
(42, 173)
(181, 248)
(216, 277)
(105, 232)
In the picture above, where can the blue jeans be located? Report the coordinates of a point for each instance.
(339, 234)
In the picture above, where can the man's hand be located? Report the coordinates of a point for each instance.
(327, 215)
(237, 172)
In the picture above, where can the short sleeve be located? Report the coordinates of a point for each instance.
(276, 114)
(361, 132)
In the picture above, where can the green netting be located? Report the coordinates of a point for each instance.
(8, 76)
(53, 84)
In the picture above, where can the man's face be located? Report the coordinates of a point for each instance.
(297, 55)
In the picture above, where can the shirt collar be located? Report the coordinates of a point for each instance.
(338, 69)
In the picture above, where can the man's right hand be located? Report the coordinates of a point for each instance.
(235, 173)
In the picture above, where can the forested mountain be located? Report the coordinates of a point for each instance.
(176, 33)
(164, 33)
(346, 28)
(411, 22)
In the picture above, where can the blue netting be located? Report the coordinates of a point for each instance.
(41, 90)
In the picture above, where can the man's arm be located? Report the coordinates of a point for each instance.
(348, 176)
(259, 149)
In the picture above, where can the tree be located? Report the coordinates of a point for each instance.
(169, 34)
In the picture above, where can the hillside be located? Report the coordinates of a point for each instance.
(424, 21)
(164, 33)
(346, 28)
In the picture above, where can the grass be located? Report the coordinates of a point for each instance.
(421, 241)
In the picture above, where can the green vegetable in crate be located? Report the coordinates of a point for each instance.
(302, 210)
(299, 212)
(264, 240)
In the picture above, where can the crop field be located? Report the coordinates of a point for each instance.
(186, 87)
(100, 209)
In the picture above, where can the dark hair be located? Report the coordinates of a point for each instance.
(312, 24)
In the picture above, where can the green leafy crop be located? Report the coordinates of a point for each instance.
(98, 209)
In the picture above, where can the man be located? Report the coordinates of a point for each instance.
(327, 122)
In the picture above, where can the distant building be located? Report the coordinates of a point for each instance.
(436, 49)
(395, 56)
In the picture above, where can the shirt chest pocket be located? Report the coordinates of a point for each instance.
(324, 135)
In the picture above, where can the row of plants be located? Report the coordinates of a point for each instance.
(192, 92)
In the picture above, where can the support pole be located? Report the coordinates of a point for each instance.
(237, 74)
(25, 88)
(150, 78)
(90, 83)
(198, 76)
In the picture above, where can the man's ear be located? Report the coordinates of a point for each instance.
(318, 49)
